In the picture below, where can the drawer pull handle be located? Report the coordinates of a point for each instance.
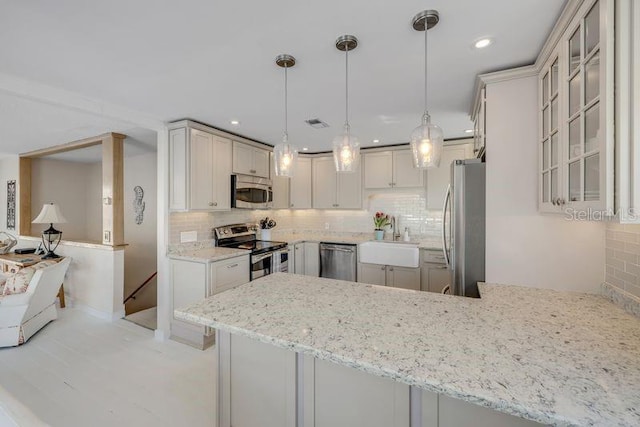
(232, 265)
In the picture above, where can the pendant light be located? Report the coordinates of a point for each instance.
(285, 154)
(346, 147)
(426, 139)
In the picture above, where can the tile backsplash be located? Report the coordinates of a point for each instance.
(408, 208)
(623, 257)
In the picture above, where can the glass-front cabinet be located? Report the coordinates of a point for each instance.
(550, 122)
(576, 107)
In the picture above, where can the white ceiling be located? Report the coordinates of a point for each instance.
(213, 61)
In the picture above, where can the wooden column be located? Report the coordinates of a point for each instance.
(112, 184)
(113, 189)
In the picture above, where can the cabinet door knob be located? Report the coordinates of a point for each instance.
(391, 184)
(210, 203)
(391, 269)
(215, 203)
(232, 266)
(553, 202)
(561, 202)
(252, 171)
(291, 205)
(384, 267)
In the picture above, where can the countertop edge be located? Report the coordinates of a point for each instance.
(206, 260)
(498, 405)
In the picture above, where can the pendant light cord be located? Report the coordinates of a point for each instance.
(286, 104)
(426, 68)
(346, 85)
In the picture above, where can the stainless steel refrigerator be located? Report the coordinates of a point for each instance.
(463, 227)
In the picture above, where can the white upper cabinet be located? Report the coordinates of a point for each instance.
(333, 190)
(300, 185)
(576, 108)
(378, 170)
(250, 160)
(627, 165)
(391, 169)
(550, 163)
(200, 171)
(280, 188)
(438, 179)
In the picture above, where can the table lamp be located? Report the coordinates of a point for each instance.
(51, 237)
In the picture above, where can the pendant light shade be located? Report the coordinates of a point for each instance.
(426, 144)
(346, 151)
(346, 147)
(427, 139)
(285, 154)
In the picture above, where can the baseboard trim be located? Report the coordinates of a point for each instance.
(110, 317)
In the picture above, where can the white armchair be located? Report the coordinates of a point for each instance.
(24, 314)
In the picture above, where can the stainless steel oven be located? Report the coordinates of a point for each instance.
(269, 262)
(266, 256)
(251, 192)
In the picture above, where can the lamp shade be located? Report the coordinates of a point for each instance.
(50, 214)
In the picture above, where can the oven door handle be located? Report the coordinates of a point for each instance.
(258, 258)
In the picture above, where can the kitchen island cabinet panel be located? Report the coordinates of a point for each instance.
(456, 413)
(263, 385)
(345, 397)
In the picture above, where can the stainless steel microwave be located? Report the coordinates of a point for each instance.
(251, 192)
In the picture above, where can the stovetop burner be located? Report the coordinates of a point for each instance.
(243, 236)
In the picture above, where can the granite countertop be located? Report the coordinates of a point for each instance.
(349, 238)
(209, 254)
(554, 357)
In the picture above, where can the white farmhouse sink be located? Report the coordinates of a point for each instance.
(390, 253)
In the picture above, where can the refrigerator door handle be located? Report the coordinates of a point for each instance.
(445, 249)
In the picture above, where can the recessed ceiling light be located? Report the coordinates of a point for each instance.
(305, 149)
(375, 141)
(468, 131)
(234, 122)
(482, 43)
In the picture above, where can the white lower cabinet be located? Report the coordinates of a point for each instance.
(191, 282)
(306, 258)
(457, 413)
(434, 273)
(262, 381)
(345, 397)
(388, 275)
(260, 385)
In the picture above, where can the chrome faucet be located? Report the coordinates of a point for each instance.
(394, 228)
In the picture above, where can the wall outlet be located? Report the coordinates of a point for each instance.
(188, 236)
(326, 225)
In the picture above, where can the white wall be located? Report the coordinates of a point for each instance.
(523, 246)
(93, 202)
(140, 259)
(76, 187)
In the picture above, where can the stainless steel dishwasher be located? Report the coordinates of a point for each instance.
(338, 261)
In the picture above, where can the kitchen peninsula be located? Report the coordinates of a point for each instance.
(296, 350)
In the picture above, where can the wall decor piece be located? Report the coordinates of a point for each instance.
(11, 204)
(138, 204)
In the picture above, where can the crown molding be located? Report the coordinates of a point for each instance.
(569, 11)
